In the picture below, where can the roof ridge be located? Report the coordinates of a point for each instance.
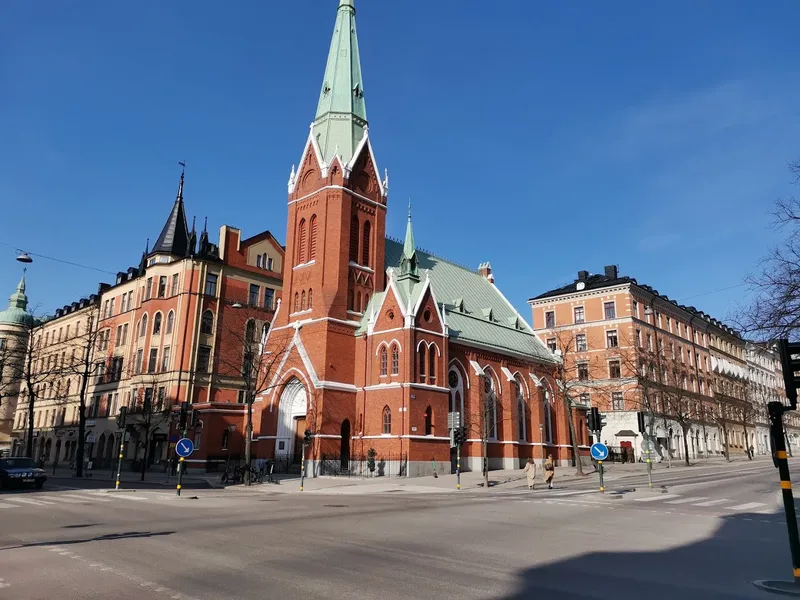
(429, 253)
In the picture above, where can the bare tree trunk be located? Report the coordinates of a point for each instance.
(146, 451)
(81, 428)
(746, 440)
(725, 445)
(248, 437)
(685, 447)
(574, 439)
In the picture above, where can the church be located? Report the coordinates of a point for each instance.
(379, 349)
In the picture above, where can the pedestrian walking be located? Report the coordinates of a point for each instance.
(530, 473)
(549, 471)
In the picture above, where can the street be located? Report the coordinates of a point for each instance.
(701, 539)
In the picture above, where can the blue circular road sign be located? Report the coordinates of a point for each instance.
(599, 451)
(185, 447)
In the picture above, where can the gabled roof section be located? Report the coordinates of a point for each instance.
(453, 286)
(341, 112)
(174, 238)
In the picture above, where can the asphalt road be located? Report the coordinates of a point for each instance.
(705, 539)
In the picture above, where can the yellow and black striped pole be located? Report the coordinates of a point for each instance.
(776, 410)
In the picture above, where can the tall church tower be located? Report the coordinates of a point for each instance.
(335, 240)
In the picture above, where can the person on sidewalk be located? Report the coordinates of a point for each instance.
(530, 473)
(549, 471)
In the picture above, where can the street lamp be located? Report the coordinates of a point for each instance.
(24, 257)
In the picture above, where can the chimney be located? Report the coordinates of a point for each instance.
(583, 275)
(485, 269)
(611, 271)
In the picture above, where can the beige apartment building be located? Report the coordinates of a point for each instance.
(628, 348)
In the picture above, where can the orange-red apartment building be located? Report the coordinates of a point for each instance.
(160, 336)
(379, 341)
(628, 348)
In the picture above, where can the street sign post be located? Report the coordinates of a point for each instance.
(599, 452)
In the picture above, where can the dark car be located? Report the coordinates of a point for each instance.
(20, 472)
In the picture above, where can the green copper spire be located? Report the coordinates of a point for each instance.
(409, 263)
(341, 114)
(17, 313)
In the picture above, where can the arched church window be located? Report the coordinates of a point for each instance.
(301, 257)
(365, 235)
(387, 420)
(384, 361)
(354, 239)
(312, 238)
(395, 359)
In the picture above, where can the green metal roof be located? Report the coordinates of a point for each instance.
(454, 285)
(16, 313)
(341, 114)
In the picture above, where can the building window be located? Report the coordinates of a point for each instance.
(395, 359)
(310, 299)
(301, 246)
(354, 239)
(207, 323)
(258, 261)
(170, 321)
(550, 319)
(610, 310)
(421, 369)
(162, 286)
(255, 293)
(148, 290)
(387, 420)
(432, 365)
(384, 361)
(152, 361)
(429, 421)
(250, 331)
(303, 300)
(611, 339)
(649, 343)
(240, 397)
(521, 413)
(580, 343)
(157, 324)
(551, 343)
(203, 358)
(579, 314)
(143, 329)
(269, 298)
(312, 238)
(139, 359)
(365, 235)
(165, 359)
(211, 285)
(297, 302)
(614, 370)
(617, 401)
(224, 439)
(270, 264)
(174, 291)
(583, 371)
(635, 309)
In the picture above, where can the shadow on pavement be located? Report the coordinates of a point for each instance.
(99, 538)
(720, 567)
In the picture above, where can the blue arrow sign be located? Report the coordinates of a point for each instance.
(185, 447)
(599, 451)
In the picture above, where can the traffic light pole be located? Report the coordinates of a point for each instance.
(458, 466)
(181, 466)
(119, 462)
(600, 467)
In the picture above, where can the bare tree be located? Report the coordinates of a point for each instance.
(774, 309)
(150, 409)
(245, 357)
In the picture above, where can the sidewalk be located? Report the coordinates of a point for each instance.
(509, 479)
(130, 478)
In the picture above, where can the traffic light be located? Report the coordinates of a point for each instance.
(640, 418)
(193, 415)
(590, 421)
(790, 363)
(307, 437)
(602, 422)
(183, 416)
(596, 424)
(123, 415)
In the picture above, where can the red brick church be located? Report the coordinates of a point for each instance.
(375, 342)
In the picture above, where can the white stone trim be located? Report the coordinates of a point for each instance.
(360, 267)
(304, 265)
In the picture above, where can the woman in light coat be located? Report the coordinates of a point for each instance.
(530, 473)
(549, 471)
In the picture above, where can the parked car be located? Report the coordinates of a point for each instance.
(21, 471)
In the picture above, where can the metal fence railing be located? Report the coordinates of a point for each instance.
(384, 465)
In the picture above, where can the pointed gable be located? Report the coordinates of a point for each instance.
(174, 238)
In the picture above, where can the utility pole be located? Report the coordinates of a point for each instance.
(182, 426)
(123, 416)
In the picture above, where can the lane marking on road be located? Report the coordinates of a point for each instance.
(571, 493)
(748, 506)
(656, 498)
(29, 501)
(89, 498)
(712, 502)
(58, 499)
(687, 500)
(129, 497)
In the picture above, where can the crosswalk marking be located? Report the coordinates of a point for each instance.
(687, 500)
(57, 499)
(8, 506)
(128, 497)
(656, 498)
(92, 498)
(712, 502)
(748, 506)
(572, 493)
(29, 501)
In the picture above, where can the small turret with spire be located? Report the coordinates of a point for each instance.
(409, 263)
(143, 262)
(17, 311)
(174, 239)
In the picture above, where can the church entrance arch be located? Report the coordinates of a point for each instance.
(292, 409)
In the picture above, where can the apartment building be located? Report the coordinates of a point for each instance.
(156, 336)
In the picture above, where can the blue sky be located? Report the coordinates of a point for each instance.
(543, 137)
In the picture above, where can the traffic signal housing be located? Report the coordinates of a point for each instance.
(184, 414)
(123, 417)
(595, 419)
(790, 363)
(307, 437)
(642, 424)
